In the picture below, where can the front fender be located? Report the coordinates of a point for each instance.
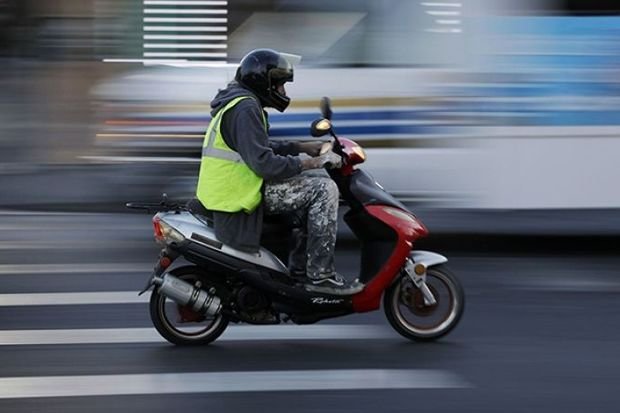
(427, 258)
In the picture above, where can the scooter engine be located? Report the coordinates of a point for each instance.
(254, 306)
(251, 300)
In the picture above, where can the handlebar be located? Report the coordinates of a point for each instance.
(162, 206)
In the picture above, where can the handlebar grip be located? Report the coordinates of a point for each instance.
(133, 205)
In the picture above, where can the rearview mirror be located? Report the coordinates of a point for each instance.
(320, 127)
(326, 108)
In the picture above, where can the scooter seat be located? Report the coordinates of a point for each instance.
(195, 207)
(272, 223)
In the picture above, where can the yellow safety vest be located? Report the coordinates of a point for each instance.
(225, 182)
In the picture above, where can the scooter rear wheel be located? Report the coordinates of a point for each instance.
(407, 313)
(181, 325)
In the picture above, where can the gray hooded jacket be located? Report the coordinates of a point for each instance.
(243, 131)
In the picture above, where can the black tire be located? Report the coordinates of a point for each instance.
(159, 307)
(403, 297)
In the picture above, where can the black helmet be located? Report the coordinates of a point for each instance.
(262, 71)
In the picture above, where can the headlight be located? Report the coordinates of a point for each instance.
(395, 212)
(399, 214)
(359, 151)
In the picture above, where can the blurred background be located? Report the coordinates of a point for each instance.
(497, 113)
(496, 121)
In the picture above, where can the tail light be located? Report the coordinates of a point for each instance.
(159, 234)
(164, 232)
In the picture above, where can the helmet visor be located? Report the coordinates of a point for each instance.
(279, 76)
(284, 71)
(292, 59)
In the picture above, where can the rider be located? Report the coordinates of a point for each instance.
(244, 175)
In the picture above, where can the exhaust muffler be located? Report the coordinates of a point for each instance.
(185, 294)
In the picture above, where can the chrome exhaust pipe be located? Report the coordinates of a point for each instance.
(185, 294)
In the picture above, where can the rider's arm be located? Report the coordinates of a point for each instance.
(312, 148)
(284, 148)
(281, 147)
(243, 131)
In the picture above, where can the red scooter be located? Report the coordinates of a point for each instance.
(193, 304)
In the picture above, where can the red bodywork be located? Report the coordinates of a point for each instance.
(352, 156)
(408, 231)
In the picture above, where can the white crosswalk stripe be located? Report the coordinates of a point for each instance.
(89, 268)
(76, 298)
(233, 333)
(226, 382)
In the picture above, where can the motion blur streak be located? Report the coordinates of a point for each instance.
(497, 121)
(453, 107)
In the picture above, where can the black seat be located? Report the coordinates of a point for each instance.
(277, 232)
(195, 207)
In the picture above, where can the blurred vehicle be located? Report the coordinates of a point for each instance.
(527, 118)
(165, 125)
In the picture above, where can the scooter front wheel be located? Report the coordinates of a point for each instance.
(411, 317)
(181, 325)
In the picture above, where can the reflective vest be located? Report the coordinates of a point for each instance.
(225, 182)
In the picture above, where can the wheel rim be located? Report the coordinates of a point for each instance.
(423, 320)
(195, 326)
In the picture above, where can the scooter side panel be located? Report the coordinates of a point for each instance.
(192, 228)
(369, 299)
(263, 271)
(368, 191)
(377, 239)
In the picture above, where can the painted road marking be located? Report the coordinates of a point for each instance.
(55, 245)
(227, 382)
(104, 268)
(233, 333)
(583, 285)
(77, 298)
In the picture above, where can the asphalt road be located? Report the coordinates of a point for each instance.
(539, 334)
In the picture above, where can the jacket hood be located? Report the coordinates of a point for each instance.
(232, 91)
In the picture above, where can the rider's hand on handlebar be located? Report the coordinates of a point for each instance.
(326, 147)
(328, 160)
(311, 148)
(332, 160)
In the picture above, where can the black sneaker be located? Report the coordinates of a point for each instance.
(335, 285)
(334, 280)
(298, 275)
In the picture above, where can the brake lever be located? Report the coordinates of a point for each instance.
(338, 148)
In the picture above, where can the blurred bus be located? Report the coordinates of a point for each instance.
(476, 104)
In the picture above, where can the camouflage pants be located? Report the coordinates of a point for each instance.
(313, 198)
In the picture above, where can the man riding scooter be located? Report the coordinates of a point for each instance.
(244, 175)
